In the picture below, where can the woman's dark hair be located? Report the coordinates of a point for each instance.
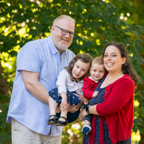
(127, 67)
(84, 57)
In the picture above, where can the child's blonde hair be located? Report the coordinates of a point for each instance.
(98, 60)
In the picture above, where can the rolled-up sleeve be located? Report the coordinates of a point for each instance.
(28, 58)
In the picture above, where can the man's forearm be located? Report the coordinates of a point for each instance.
(38, 90)
(32, 84)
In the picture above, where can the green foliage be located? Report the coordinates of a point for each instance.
(97, 23)
(5, 131)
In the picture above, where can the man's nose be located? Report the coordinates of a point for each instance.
(67, 35)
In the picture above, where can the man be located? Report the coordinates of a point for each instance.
(38, 65)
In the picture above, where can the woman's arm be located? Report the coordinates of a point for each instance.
(91, 110)
(119, 95)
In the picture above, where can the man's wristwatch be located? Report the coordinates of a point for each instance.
(87, 108)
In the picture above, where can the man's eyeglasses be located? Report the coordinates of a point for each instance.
(64, 32)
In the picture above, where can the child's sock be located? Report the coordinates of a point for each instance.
(86, 129)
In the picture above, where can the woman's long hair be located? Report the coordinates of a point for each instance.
(127, 67)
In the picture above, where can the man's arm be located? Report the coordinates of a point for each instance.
(34, 86)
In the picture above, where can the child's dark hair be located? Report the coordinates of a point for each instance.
(98, 60)
(84, 57)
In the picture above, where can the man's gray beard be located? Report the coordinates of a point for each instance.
(62, 46)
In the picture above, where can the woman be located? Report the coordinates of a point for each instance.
(113, 108)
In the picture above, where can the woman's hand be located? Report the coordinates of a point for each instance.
(82, 115)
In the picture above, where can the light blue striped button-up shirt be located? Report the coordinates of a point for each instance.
(37, 56)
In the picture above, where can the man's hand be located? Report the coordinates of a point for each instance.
(75, 108)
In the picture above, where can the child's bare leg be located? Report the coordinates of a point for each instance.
(86, 122)
(52, 105)
(64, 113)
(62, 121)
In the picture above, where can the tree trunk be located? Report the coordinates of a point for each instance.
(3, 82)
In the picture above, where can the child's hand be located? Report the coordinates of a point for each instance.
(95, 94)
(63, 105)
(86, 101)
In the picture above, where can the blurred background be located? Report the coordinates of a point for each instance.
(97, 23)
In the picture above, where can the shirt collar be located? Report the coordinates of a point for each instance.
(93, 79)
(79, 81)
(53, 48)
